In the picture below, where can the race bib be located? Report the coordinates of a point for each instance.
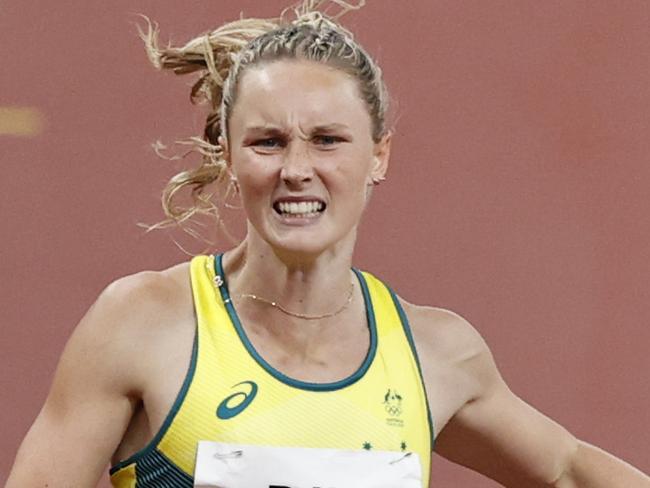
(246, 466)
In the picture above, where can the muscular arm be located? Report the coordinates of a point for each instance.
(497, 434)
(95, 390)
(594, 468)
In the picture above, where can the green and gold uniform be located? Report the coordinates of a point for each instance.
(231, 394)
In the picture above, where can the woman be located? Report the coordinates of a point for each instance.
(287, 345)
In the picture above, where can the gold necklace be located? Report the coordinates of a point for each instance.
(218, 282)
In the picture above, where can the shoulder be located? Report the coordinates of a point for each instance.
(137, 302)
(443, 332)
(136, 296)
(439, 332)
(113, 350)
(452, 351)
(133, 317)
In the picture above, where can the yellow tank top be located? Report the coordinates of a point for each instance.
(231, 394)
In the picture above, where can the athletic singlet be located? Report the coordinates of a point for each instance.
(231, 394)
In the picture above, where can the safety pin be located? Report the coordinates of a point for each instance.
(400, 459)
(227, 455)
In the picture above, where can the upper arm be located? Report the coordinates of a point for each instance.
(93, 395)
(494, 432)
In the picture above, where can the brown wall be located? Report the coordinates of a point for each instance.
(517, 196)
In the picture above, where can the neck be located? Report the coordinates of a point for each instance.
(309, 284)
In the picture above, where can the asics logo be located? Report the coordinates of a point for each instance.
(236, 403)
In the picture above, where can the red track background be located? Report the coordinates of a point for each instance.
(517, 195)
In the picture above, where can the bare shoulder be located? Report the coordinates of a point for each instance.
(120, 341)
(145, 289)
(144, 299)
(104, 371)
(455, 360)
(133, 314)
(444, 333)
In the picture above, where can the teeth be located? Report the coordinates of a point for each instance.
(300, 208)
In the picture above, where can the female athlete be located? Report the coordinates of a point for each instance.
(288, 346)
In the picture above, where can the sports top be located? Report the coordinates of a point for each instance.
(231, 394)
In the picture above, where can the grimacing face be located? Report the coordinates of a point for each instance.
(301, 149)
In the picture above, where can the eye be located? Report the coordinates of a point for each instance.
(268, 143)
(327, 140)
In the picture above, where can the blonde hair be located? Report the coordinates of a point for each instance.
(308, 31)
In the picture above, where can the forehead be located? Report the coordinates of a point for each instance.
(286, 91)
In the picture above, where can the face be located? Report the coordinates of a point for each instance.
(301, 149)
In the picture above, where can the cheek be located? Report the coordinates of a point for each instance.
(351, 174)
(348, 191)
(255, 174)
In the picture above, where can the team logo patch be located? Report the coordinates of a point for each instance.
(236, 403)
(393, 406)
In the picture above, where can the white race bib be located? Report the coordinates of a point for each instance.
(246, 466)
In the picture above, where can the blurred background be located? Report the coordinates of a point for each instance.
(517, 194)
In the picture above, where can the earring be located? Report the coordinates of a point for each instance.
(234, 184)
(232, 189)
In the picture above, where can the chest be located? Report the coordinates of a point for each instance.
(358, 390)
(237, 396)
(333, 354)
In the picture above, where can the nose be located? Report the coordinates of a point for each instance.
(297, 166)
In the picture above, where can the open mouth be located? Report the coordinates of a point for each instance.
(299, 209)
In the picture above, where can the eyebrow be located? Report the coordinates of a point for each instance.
(330, 127)
(268, 129)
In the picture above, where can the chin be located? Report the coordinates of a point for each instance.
(306, 247)
(304, 240)
(310, 245)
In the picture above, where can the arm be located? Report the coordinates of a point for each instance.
(497, 434)
(93, 395)
(594, 468)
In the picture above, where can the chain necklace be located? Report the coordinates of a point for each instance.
(218, 281)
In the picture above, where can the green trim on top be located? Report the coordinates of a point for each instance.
(156, 470)
(134, 458)
(304, 385)
(409, 336)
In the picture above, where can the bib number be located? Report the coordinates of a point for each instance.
(226, 465)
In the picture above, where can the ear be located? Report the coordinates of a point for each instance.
(380, 159)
